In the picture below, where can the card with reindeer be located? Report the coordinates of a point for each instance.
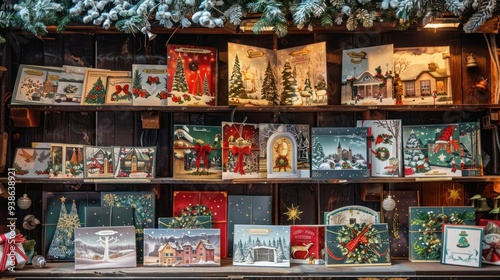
(289, 77)
(307, 244)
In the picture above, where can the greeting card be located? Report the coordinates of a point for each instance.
(240, 150)
(149, 84)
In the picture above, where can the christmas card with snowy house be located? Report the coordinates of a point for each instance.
(99, 162)
(32, 162)
(62, 213)
(182, 247)
(119, 91)
(197, 152)
(339, 152)
(471, 161)
(261, 245)
(432, 150)
(149, 85)
(36, 84)
(70, 86)
(357, 244)
(384, 147)
(94, 87)
(422, 76)
(136, 162)
(192, 75)
(105, 247)
(291, 77)
(367, 76)
(66, 161)
(284, 150)
(240, 150)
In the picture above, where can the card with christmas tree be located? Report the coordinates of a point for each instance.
(284, 150)
(192, 75)
(357, 244)
(367, 76)
(36, 84)
(32, 163)
(261, 245)
(94, 86)
(384, 147)
(149, 85)
(240, 150)
(339, 152)
(432, 150)
(292, 77)
(136, 162)
(197, 152)
(119, 91)
(182, 247)
(62, 213)
(99, 162)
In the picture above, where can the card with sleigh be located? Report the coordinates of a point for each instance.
(240, 150)
(192, 75)
(197, 152)
(149, 85)
(135, 162)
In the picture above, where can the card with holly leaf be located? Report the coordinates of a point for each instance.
(149, 85)
(32, 163)
(119, 91)
(95, 82)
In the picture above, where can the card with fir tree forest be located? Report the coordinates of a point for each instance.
(149, 85)
(95, 83)
(192, 75)
(290, 77)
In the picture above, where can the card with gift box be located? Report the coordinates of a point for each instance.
(109, 216)
(307, 244)
(182, 247)
(105, 247)
(185, 222)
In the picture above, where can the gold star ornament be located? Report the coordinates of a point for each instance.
(293, 213)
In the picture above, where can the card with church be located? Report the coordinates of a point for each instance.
(261, 245)
(32, 162)
(192, 75)
(240, 150)
(149, 85)
(181, 247)
(367, 76)
(339, 152)
(197, 152)
(284, 150)
(384, 146)
(422, 76)
(104, 247)
(432, 150)
(99, 162)
(136, 162)
(36, 84)
(292, 77)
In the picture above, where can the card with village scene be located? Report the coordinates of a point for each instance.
(149, 85)
(36, 84)
(240, 150)
(284, 150)
(32, 162)
(104, 247)
(367, 76)
(291, 77)
(384, 147)
(462, 245)
(307, 244)
(422, 76)
(70, 86)
(192, 75)
(432, 150)
(94, 86)
(339, 152)
(357, 244)
(119, 91)
(197, 152)
(181, 247)
(99, 162)
(261, 245)
(136, 162)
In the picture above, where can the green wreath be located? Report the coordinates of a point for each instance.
(382, 153)
(188, 217)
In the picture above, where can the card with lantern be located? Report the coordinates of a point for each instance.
(136, 162)
(192, 75)
(240, 150)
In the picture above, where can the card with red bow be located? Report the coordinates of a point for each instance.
(240, 150)
(119, 91)
(95, 83)
(197, 152)
(149, 85)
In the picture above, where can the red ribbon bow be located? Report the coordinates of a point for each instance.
(120, 89)
(240, 152)
(203, 151)
(8, 246)
(153, 80)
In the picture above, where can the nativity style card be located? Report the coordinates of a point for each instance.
(339, 152)
(462, 245)
(94, 91)
(192, 75)
(367, 76)
(99, 162)
(119, 91)
(136, 162)
(149, 85)
(104, 247)
(240, 150)
(181, 247)
(36, 84)
(32, 163)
